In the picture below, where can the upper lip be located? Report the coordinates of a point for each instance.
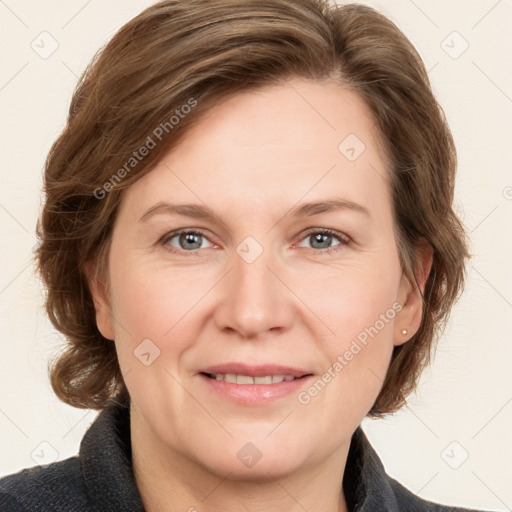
(254, 370)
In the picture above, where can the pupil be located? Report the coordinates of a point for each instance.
(190, 238)
(322, 238)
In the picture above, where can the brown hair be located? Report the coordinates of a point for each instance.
(196, 53)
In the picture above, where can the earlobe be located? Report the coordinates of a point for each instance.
(101, 302)
(409, 319)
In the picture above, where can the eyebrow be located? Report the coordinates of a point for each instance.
(309, 209)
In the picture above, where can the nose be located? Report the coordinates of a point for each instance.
(254, 298)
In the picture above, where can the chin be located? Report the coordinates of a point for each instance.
(254, 457)
(267, 468)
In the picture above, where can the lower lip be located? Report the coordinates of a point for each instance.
(255, 394)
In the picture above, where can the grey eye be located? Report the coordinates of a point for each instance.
(187, 240)
(321, 240)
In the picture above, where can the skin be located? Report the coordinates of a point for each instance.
(251, 159)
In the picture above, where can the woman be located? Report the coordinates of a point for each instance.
(249, 243)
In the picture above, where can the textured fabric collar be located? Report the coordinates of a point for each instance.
(365, 482)
(105, 458)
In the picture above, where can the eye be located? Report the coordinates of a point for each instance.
(322, 239)
(185, 240)
(189, 240)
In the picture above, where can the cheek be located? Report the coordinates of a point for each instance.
(154, 326)
(152, 303)
(357, 306)
(351, 300)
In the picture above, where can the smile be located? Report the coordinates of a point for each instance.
(247, 379)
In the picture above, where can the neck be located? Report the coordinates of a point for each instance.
(167, 479)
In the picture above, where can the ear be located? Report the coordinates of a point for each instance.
(102, 306)
(409, 317)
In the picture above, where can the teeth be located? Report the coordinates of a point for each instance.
(263, 380)
(246, 379)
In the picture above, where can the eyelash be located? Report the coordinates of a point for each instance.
(342, 238)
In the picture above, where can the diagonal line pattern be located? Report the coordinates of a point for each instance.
(13, 13)
(486, 14)
(424, 13)
(303, 196)
(14, 218)
(419, 491)
(408, 407)
(310, 105)
(70, 69)
(200, 299)
(14, 76)
(200, 199)
(199, 403)
(379, 173)
(501, 409)
(491, 80)
(287, 492)
(490, 489)
(332, 332)
(216, 487)
(14, 278)
(14, 423)
(433, 67)
(76, 424)
(493, 287)
(76, 14)
(278, 424)
(485, 218)
(426, 426)
(113, 317)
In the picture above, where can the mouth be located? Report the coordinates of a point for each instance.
(248, 379)
(254, 385)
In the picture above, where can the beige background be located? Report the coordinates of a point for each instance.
(463, 407)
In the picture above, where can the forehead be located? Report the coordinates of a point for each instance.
(299, 115)
(274, 144)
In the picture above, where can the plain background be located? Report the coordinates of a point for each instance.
(453, 442)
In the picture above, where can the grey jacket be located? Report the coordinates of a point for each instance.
(100, 478)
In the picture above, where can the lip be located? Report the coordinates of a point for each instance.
(255, 394)
(255, 370)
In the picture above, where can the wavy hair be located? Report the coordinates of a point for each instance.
(179, 52)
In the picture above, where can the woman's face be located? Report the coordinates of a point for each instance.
(289, 268)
